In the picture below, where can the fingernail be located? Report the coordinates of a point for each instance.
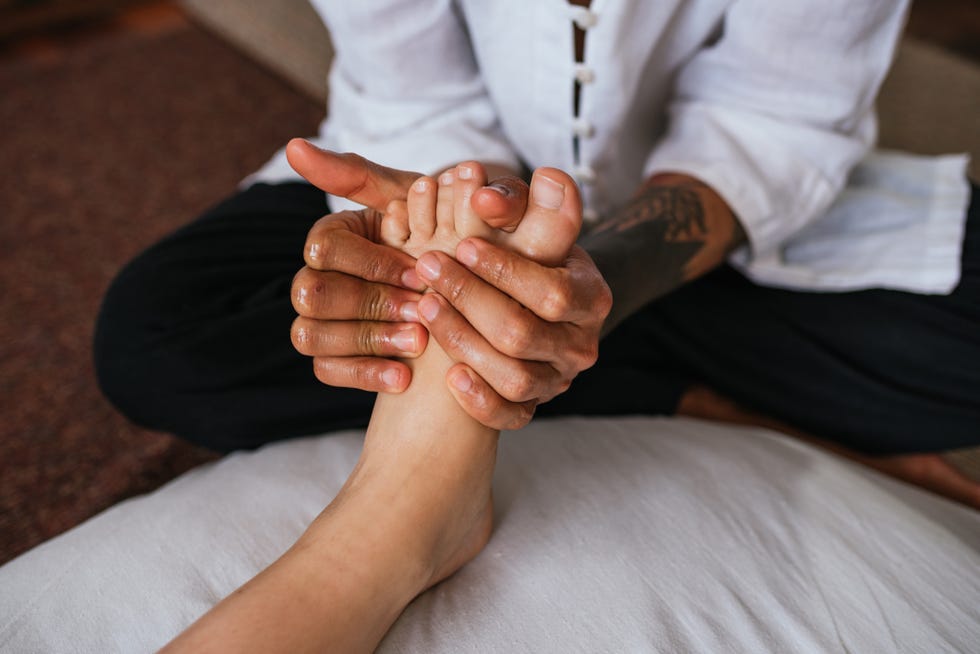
(446, 178)
(313, 251)
(405, 340)
(411, 279)
(410, 311)
(430, 266)
(429, 308)
(466, 254)
(464, 172)
(421, 185)
(462, 381)
(391, 378)
(547, 192)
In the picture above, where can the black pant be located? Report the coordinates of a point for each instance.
(193, 338)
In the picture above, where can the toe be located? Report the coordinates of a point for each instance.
(445, 225)
(470, 177)
(394, 224)
(421, 208)
(553, 219)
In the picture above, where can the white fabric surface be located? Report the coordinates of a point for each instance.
(613, 535)
(769, 103)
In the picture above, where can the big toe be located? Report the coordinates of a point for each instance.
(553, 218)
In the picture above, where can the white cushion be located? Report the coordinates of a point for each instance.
(630, 534)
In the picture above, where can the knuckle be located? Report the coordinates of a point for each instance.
(299, 334)
(513, 336)
(521, 415)
(588, 355)
(453, 341)
(457, 289)
(519, 386)
(604, 301)
(375, 304)
(307, 291)
(319, 244)
(496, 269)
(377, 268)
(365, 339)
(558, 302)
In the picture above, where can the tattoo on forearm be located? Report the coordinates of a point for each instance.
(645, 250)
(679, 207)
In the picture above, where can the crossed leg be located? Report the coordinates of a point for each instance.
(418, 504)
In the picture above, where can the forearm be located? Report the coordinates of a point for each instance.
(674, 230)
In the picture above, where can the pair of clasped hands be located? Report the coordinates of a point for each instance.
(518, 332)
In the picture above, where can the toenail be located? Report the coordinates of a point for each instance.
(462, 382)
(546, 192)
(502, 189)
(391, 378)
(466, 254)
(421, 185)
(446, 178)
(465, 172)
(405, 340)
(429, 266)
(429, 308)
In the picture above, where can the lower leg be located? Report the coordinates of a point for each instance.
(414, 510)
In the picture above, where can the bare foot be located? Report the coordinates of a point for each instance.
(927, 470)
(430, 461)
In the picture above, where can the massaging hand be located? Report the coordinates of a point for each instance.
(497, 313)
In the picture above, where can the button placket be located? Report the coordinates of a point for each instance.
(584, 19)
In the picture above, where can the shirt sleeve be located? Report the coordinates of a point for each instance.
(406, 89)
(776, 111)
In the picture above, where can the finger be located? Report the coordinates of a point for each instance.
(573, 292)
(349, 175)
(368, 374)
(485, 405)
(508, 326)
(318, 338)
(330, 246)
(336, 296)
(502, 203)
(516, 380)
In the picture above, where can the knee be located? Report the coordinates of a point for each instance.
(123, 348)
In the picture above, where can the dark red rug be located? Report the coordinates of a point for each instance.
(102, 152)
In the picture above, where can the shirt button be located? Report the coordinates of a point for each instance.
(584, 18)
(590, 215)
(584, 74)
(585, 175)
(583, 128)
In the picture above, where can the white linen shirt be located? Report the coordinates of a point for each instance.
(769, 103)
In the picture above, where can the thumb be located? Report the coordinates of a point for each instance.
(349, 175)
